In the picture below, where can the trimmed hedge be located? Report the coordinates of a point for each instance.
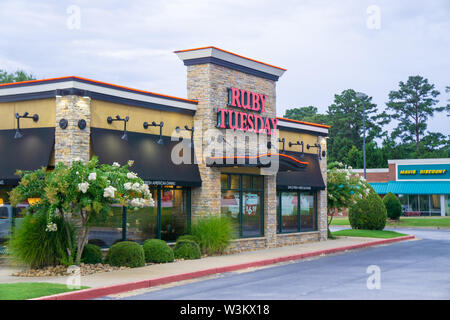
(187, 249)
(189, 237)
(157, 251)
(368, 213)
(126, 253)
(92, 254)
(393, 206)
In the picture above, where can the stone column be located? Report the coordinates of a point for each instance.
(72, 142)
(322, 216)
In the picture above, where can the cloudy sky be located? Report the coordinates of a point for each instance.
(326, 45)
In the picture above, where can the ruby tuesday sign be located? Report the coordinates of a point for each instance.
(243, 120)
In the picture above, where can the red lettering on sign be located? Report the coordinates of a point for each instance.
(245, 103)
(222, 118)
(250, 122)
(263, 102)
(235, 101)
(243, 121)
(255, 102)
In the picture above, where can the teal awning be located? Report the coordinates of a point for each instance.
(412, 187)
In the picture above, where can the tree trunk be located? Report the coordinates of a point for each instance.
(69, 238)
(82, 236)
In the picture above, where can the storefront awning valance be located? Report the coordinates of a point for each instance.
(308, 177)
(30, 152)
(152, 161)
(261, 161)
(412, 187)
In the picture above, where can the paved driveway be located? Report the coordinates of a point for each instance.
(418, 269)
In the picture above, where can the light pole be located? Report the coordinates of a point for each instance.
(363, 96)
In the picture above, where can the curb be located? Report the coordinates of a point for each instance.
(124, 287)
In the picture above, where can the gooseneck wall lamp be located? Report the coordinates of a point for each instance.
(125, 120)
(19, 134)
(186, 127)
(298, 143)
(282, 140)
(154, 124)
(318, 146)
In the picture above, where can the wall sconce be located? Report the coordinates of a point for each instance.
(154, 124)
(63, 123)
(125, 120)
(298, 143)
(318, 146)
(35, 118)
(283, 140)
(186, 127)
(82, 124)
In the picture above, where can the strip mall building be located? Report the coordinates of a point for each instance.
(72, 117)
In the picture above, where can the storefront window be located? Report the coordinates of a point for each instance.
(404, 201)
(167, 220)
(174, 214)
(106, 229)
(435, 205)
(447, 205)
(296, 211)
(288, 220)
(307, 211)
(242, 201)
(424, 204)
(142, 224)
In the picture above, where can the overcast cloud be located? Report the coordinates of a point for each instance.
(325, 45)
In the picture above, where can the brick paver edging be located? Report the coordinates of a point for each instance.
(124, 287)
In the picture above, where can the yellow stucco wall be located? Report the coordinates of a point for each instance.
(45, 108)
(100, 110)
(290, 136)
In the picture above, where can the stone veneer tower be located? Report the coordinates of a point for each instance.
(210, 72)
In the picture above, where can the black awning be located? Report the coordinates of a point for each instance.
(152, 161)
(307, 178)
(30, 152)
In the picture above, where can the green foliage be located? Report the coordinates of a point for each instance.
(411, 106)
(187, 249)
(213, 233)
(83, 189)
(31, 245)
(189, 237)
(308, 114)
(393, 206)
(157, 251)
(368, 213)
(92, 254)
(126, 253)
(17, 76)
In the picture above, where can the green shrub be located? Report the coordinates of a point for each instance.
(213, 233)
(187, 249)
(393, 206)
(31, 245)
(126, 253)
(368, 213)
(157, 251)
(92, 254)
(189, 237)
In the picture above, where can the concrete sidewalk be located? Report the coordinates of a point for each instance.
(195, 267)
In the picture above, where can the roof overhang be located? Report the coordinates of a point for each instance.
(48, 88)
(230, 60)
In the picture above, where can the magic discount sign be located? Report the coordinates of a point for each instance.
(247, 101)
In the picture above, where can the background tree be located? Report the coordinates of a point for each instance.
(412, 105)
(308, 114)
(17, 76)
(346, 121)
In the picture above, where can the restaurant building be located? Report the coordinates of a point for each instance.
(220, 151)
(422, 185)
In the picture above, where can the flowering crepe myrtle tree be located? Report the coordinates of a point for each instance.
(81, 190)
(344, 188)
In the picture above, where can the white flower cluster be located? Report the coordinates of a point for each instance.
(131, 175)
(109, 192)
(115, 164)
(92, 176)
(138, 202)
(83, 187)
(51, 227)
